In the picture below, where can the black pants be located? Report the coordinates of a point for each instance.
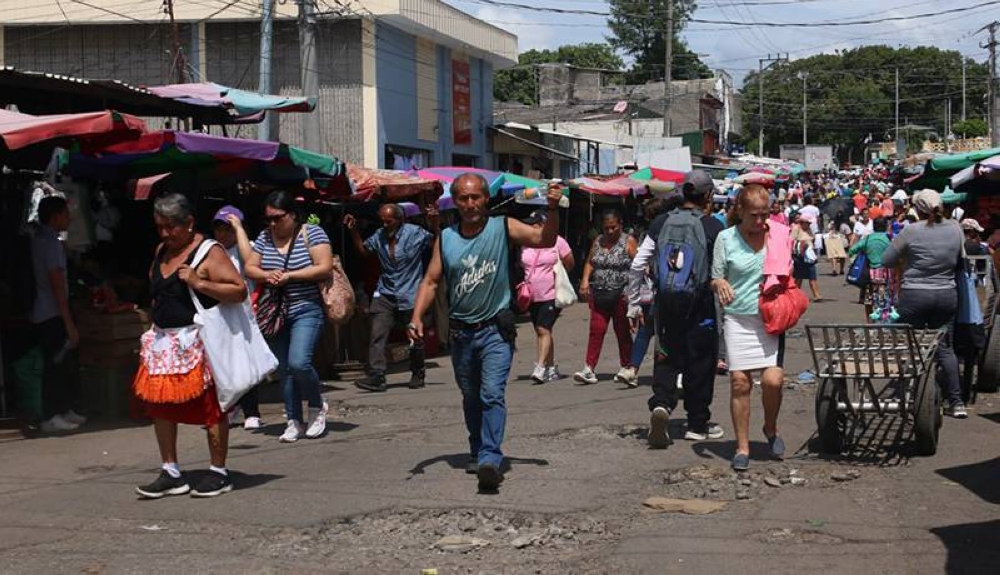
(936, 309)
(385, 312)
(61, 382)
(691, 351)
(250, 402)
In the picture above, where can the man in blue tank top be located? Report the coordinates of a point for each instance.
(474, 257)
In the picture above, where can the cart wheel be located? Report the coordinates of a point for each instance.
(989, 369)
(927, 416)
(828, 419)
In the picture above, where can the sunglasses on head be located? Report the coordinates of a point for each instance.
(274, 219)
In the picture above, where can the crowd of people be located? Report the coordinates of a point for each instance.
(689, 284)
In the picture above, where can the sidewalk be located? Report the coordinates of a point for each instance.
(387, 483)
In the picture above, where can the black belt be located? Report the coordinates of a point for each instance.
(457, 325)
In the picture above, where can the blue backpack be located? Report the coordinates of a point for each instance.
(682, 263)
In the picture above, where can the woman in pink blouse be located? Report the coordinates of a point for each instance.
(539, 271)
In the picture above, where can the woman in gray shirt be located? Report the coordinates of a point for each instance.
(928, 297)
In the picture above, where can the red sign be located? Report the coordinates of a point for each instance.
(461, 102)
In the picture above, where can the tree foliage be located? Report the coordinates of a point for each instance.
(637, 28)
(519, 84)
(851, 95)
(970, 128)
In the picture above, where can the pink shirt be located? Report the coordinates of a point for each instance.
(539, 269)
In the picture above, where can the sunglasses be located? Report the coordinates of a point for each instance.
(274, 219)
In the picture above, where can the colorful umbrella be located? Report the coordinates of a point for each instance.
(448, 174)
(751, 177)
(617, 188)
(211, 158)
(27, 141)
(647, 174)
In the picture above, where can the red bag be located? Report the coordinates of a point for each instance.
(782, 306)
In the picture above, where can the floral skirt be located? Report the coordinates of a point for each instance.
(174, 381)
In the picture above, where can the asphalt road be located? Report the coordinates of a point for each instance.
(386, 484)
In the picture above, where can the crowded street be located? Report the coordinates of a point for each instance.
(386, 485)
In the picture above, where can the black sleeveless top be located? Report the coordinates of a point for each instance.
(172, 305)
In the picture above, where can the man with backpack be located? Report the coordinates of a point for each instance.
(679, 248)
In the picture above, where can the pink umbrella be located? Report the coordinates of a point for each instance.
(619, 187)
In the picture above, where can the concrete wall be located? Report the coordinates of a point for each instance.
(222, 52)
(403, 71)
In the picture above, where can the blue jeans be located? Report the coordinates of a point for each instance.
(643, 336)
(482, 359)
(293, 347)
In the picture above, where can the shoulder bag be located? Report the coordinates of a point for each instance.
(237, 354)
(522, 292)
(336, 291)
(269, 304)
(565, 294)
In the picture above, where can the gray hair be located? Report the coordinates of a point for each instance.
(397, 211)
(174, 207)
(483, 184)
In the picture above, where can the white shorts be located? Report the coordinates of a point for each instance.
(748, 345)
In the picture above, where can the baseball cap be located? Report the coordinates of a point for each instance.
(699, 181)
(926, 201)
(537, 217)
(971, 224)
(225, 211)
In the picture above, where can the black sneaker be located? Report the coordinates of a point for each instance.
(417, 380)
(212, 484)
(372, 383)
(164, 485)
(472, 467)
(490, 477)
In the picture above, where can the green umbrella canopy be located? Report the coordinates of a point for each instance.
(938, 171)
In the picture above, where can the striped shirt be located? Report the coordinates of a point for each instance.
(297, 294)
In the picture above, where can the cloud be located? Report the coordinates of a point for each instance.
(529, 34)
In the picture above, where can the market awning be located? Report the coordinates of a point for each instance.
(243, 102)
(938, 170)
(21, 130)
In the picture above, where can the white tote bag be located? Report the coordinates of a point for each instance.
(234, 347)
(565, 294)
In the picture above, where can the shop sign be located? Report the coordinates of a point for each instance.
(461, 102)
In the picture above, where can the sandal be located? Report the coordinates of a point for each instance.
(740, 462)
(776, 445)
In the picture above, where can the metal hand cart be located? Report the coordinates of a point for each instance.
(988, 285)
(875, 369)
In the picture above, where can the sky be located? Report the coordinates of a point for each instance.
(737, 48)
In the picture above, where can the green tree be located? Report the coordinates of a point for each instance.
(970, 128)
(637, 28)
(518, 84)
(851, 95)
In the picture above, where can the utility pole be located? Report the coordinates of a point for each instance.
(947, 126)
(805, 139)
(760, 96)
(994, 125)
(668, 67)
(264, 84)
(899, 152)
(310, 71)
(963, 88)
(179, 63)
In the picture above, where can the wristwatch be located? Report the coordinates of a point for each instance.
(411, 325)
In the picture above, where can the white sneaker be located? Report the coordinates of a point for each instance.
(253, 423)
(317, 421)
(538, 375)
(57, 424)
(713, 431)
(74, 417)
(552, 373)
(293, 431)
(586, 375)
(628, 376)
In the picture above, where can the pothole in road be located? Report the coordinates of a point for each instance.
(806, 536)
(410, 536)
(721, 483)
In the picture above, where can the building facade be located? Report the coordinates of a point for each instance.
(401, 82)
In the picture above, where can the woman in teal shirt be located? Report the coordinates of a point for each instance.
(878, 289)
(737, 272)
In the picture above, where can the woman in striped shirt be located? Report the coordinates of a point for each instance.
(306, 249)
